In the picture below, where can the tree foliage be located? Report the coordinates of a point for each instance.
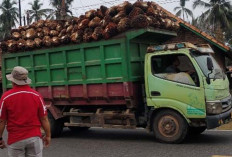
(57, 4)
(36, 13)
(1, 33)
(8, 17)
(182, 11)
(218, 16)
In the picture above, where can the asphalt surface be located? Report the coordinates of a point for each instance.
(98, 142)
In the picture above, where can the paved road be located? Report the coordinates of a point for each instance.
(135, 143)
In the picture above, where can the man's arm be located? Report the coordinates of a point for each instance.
(46, 126)
(3, 120)
(44, 122)
(2, 128)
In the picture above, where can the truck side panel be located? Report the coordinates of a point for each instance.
(102, 73)
(77, 64)
(125, 93)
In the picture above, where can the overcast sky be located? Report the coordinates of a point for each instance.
(81, 6)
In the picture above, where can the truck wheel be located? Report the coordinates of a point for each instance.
(55, 125)
(196, 130)
(78, 129)
(169, 127)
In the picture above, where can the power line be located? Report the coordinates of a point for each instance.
(116, 1)
(106, 2)
(168, 2)
(18, 2)
(82, 5)
(93, 5)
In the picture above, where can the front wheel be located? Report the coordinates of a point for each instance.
(56, 126)
(169, 127)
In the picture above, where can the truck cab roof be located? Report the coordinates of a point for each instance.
(203, 48)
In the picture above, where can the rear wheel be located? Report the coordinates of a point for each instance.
(78, 129)
(55, 125)
(196, 130)
(169, 127)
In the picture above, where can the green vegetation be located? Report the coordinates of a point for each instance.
(217, 18)
(182, 11)
(8, 17)
(56, 14)
(1, 33)
(36, 13)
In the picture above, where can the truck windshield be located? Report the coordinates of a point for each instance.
(201, 59)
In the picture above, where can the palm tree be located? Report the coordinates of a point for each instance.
(228, 37)
(1, 33)
(36, 13)
(57, 5)
(182, 11)
(8, 17)
(218, 15)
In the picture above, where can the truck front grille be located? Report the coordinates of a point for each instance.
(226, 104)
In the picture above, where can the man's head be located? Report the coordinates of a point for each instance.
(19, 76)
(176, 62)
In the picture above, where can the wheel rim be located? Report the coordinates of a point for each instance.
(168, 126)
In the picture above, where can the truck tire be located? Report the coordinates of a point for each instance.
(55, 125)
(78, 129)
(196, 130)
(169, 127)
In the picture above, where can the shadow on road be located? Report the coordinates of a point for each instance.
(208, 137)
(109, 134)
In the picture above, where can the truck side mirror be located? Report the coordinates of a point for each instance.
(209, 64)
(210, 68)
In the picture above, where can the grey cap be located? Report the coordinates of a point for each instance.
(19, 76)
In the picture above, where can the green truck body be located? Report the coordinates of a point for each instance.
(103, 84)
(118, 60)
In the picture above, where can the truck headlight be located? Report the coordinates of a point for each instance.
(214, 107)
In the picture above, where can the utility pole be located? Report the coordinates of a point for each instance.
(63, 9)
(20, 20)
(24, 20)
(28, 17)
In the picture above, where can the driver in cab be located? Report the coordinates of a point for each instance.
(175, 74)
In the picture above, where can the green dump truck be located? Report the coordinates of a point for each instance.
(171, 90)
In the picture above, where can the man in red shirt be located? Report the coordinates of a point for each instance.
(24, 112)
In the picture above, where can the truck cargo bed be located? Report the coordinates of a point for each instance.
(107, 72)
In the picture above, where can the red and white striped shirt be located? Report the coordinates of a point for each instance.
(22, 108)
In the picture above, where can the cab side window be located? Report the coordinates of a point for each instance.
(177, 68)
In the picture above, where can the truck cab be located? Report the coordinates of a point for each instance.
(186, 91)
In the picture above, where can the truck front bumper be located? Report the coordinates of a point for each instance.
(214, 121)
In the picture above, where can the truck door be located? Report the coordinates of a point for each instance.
(173, 82)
